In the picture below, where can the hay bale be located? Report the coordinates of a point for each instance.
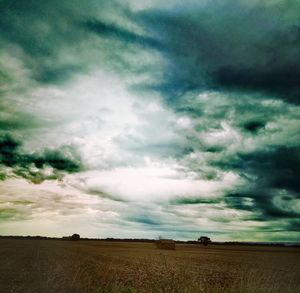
(168, 244)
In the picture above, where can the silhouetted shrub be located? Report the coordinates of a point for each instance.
(204, 240)
(75, 237)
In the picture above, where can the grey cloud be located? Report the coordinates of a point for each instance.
(230, 45)
(109, 30)
(21, 163)
(144, 219)
(271, 177)
(254, 126)
(194, 201)
(40, 30)
(247, 47)
(49, 36)
(8, 214)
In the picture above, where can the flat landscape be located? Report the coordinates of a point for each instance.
(100, 266)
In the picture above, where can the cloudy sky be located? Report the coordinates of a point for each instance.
(145, 118)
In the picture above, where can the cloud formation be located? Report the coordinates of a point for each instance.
(230, 45)
(162, 117)
(35, 167)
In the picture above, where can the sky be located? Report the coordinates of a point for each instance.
(140, 119)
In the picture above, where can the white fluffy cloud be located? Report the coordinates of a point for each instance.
(155, 182)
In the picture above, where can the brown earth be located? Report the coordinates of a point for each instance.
(98, 266)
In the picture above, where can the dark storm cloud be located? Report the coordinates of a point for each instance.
(273, 183)
(40, 30)
(253, 126)
(13, 119)
(217, 45)
(294, 225)
(54, 38)
(112, 31)
(46, 36)
(12, 156)
(194, 201)
(230, 45)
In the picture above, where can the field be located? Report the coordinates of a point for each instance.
(98, 266)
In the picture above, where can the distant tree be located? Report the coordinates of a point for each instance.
(75, 237)
(204, 240)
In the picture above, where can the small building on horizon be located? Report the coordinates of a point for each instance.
(168, 244)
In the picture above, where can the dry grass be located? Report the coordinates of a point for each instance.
(90, 266)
